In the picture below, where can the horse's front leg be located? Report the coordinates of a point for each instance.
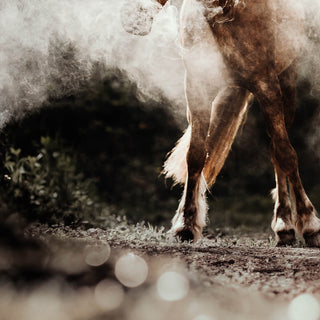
(203, 67)
(283, 217)
(190, 217)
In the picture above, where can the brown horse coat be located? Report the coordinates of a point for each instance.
(234, 50)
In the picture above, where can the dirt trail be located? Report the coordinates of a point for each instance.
(231, 277)
(241, 260)
(283, 272)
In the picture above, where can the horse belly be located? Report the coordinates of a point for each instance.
(263, 33)
(289, 31)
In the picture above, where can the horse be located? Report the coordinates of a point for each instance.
(233, 51)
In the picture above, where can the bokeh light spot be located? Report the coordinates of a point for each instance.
(108, 295)
(304, 307)
(172, 286)
(96, 255)
(131, 270)
(44, 303)
(203, 317)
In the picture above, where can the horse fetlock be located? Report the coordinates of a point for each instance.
(307, 223)
(281, 224)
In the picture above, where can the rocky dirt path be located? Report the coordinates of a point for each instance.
(282, 272)
(223, 277)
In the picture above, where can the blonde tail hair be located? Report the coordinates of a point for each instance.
(175, 166)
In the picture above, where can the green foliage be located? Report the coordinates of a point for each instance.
(117, 142)
(48, 184)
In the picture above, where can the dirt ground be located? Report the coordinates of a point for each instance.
(238, 276)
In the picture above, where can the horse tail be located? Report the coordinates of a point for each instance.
(175, 166)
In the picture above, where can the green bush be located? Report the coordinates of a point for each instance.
(48, 186)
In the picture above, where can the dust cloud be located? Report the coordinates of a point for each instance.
(49, 48)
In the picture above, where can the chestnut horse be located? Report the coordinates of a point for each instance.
(234, 50)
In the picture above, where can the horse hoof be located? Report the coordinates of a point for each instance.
(185, 235)
(285, 237)
(312, 239)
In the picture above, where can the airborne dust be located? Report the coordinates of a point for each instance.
(37, 36)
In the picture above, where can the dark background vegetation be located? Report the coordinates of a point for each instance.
(98, 151)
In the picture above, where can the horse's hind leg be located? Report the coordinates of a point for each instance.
(282, 223)
(268, 92)
(307, 224)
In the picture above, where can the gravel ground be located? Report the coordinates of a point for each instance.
(63, 273)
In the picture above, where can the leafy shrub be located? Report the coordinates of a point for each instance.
(48, 186)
